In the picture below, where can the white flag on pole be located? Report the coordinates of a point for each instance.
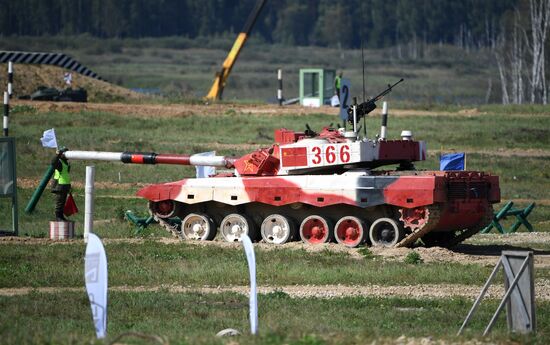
(206, 171)
(68, 78)
(250, 257)
(48, 139)
(95, 274)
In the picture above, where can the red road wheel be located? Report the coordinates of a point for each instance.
(164, 208)
(350, 231)
(315, 230)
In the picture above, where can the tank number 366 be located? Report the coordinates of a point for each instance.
(330, 154)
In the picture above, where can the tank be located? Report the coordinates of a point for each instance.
(321, 187)
(324, 187)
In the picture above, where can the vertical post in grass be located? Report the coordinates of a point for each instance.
(89, 202)
(384, 121)
(6, 112)
(10, 78)
(280, 89)
(251, 259)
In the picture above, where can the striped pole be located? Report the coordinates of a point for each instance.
(280, 89)
(384, 121)
(6, 112)
(10, 78)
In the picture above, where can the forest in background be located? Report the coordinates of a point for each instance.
(512, 32)
(335, 23)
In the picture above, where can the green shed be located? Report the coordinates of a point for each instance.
(316, 86)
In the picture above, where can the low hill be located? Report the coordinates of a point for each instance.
(27, 78)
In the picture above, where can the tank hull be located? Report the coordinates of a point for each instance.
(418, 202)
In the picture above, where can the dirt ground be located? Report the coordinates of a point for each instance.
(542, 290)
(177, 110)
(482, 249)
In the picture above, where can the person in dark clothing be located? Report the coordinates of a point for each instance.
(61, 184)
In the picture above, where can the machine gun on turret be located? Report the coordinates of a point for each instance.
(368, 106)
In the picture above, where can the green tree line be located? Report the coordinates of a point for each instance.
(339, 23)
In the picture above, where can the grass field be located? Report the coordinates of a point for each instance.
(144, 273)
(513, 146)
(186, 292)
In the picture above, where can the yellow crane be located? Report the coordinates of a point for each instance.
(216, 90)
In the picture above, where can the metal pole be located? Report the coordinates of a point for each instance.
(505, 298)
(384, 121)
(39, 190)
(89, 202)
(10, 78)
(480, 297)
(355, 115)
(280, 89)
(6, 112)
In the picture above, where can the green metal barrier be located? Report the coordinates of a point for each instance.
(39, 190)
(139, 222)
(521, 218)
(143, 222)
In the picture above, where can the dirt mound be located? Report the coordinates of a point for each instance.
(27, 78)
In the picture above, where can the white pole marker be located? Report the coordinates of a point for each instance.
(10, 78)
(280, 88)
(250, 257)
(89, 202)
(384, 121)
(95, 275)
(6, 113)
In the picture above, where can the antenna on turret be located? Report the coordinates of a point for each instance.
(363, 66)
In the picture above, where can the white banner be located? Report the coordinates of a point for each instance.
(249, 250)
(95, 274)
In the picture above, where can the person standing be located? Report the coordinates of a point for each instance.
(338, 84)
(61, 184)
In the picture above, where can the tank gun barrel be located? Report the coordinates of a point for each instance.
(152, 158)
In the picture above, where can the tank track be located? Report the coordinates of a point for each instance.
(467, 233)
(434, 213)
(173, 229)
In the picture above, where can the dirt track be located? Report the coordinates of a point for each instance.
(485, 251)
(177, 110)
(542, 290)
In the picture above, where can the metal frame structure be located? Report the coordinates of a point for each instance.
(12, 194)
(519, 298)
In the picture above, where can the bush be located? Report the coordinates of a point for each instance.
(413, 258)
(366, 252)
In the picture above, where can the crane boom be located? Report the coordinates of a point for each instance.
(216, 90)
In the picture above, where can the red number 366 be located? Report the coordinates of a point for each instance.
(330, 154)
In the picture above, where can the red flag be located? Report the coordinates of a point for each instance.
(70, 206)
